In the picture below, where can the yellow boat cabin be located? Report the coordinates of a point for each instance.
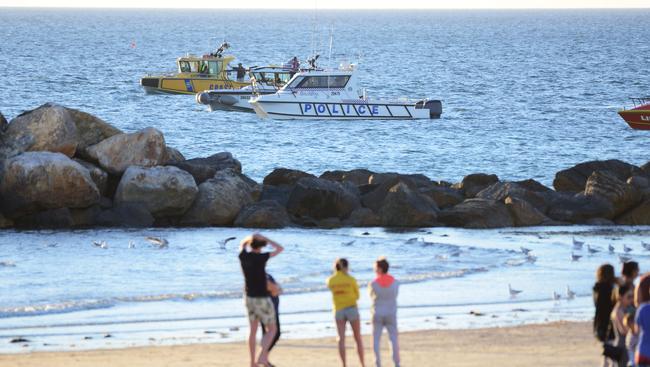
(196, 74)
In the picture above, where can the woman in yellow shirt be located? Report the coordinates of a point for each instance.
(345, 293)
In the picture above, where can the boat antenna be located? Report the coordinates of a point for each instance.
(329, 61)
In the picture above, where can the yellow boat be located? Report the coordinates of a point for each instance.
(196, 74)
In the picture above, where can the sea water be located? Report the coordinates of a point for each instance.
(525, 93)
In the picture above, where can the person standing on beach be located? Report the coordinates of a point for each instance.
(625, 300)
(345, 293)
(629, 273)
(642, 321)
(603, 295)
(383, 293)
(274, 290)
(258, 301)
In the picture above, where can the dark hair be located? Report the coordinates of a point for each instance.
(341, 264)
(382, 264)
(629, 268)
(256, 243)
(605, 274)
(622, 289)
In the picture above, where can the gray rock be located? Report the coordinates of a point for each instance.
(575, 178)
(620, 195)
(639, 182)
(477, 213)
(5, 222)
(319, 199)
(443, 196)
(99, 176)
(600, 222)
(501, 190)
(373, 195)
(357, 177)
(165, 191)
(404, 207)
(565, 207)
(130, 215)
(37, 181)
(420, 181)
(203, 169)
(523, 213)
(52, 218)
(639, 215)
(280, 194)
(85, 217)
(533, 185)
(219, 200)
(3, 123)
(144, 148)
(474, 183)
(363, 217)
(173, 156)
(263, 214)
(90, 130)
(285, 176)
(46, 128)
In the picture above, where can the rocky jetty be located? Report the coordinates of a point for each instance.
(64, 168)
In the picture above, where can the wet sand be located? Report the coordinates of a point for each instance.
(554, 344)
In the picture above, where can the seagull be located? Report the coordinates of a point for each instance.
(624, 258)
(611, 248)
(575, 257)
(577, 244)
(131, 244)
(646, 245)
(525, 251)
(626, 249)
(53, 244)
(225, 241)
(569, 293)
(513, 292)
(556, 296)
(592, 250)
(412, 240)
(8, 264)
(101, 244)
(158, 242)
(348, 243)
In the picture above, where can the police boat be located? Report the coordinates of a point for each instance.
(334, 94)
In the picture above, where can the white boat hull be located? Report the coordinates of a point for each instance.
(362, 110)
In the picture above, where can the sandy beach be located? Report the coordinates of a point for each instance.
(555, 344)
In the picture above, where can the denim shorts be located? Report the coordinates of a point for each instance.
(347, 314)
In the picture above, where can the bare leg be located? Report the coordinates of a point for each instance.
(252, 336)
(271, 329)
(340, 328)
(356, 330)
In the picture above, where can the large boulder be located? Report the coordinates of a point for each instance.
(3, 123)
(5, 222)
(619, 194)
(523, 213)
(443, 196)
(414, 180)
(501, 190)
(646, 169)
(357, 177)
(144, 148)
(285, 176)
(373, 195)
(203, 169)
(36, 181)
(477, 213)
(640, 215)
(363, 217)
(99, 176)
(173, 155)
(533, 185)
(404, 207)
(578, 208)
(575, 178)
(263, 214)
(219, 201)
(130, 215)
(319, 199)
(280, 194)
(52, 218)
(90, 130)
(46, 128)
(164, 190)
(474, 183)
(639, 182)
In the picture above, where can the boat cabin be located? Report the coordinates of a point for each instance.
(207, 64)
(275, 76)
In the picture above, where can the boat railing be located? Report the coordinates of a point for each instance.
(640, 101)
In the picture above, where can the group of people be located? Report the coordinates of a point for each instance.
(622, 319)
(262, 302)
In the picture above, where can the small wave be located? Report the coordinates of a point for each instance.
(54, 308)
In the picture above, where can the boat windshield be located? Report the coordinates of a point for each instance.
(272, 78)
(321, 81)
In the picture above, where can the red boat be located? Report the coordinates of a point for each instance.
(638, 117)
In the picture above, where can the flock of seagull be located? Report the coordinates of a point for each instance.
(157, 242)
(578, 246)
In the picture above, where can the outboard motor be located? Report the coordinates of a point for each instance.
(203, 98)
(434, 107)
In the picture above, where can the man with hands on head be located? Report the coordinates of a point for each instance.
(257, 297)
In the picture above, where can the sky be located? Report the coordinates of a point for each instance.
(333, 4)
